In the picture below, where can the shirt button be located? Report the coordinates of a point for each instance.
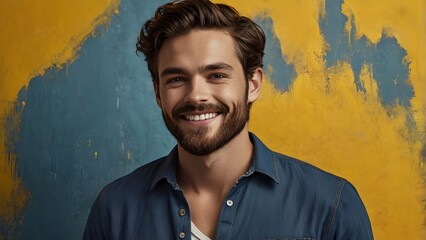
(182, 212)
(182, 235)
(229, 203)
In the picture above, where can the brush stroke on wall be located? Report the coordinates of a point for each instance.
(345, 90)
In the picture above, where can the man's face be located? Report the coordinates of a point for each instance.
(202, 90)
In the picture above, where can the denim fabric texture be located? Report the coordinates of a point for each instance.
(279, 197)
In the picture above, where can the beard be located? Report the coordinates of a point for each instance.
(194, 141)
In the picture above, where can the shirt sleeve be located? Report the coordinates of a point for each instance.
(95, 228)
(350, 221)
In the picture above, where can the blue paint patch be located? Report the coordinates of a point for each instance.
(391, 74)
(87, 124)
(279, 72)
(386, 57)
(332, 26)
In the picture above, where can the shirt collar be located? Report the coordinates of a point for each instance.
(167, 169)
(264, 162)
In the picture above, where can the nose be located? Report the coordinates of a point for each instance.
(197, 91)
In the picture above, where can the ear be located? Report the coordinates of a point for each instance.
(157, 92)
(255, 84)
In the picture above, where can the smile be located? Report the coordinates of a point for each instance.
(200, 117)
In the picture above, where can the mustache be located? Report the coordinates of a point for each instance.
(189, 107)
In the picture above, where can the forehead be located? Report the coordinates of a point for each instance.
(198, 47)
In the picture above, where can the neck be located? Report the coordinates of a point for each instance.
(216, 173)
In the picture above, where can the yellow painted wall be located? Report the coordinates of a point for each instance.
(338, 128)
(35, 36)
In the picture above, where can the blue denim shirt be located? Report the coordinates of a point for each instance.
(278, 198)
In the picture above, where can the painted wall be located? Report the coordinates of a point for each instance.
(345, 90)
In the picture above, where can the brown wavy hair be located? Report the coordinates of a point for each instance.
(180, 17)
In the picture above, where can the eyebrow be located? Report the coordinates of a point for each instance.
(215, 66)
(172, 70)
(203, 68)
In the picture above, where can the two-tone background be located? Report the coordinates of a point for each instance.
(345, 90)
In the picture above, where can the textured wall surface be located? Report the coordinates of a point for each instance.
(345, 90)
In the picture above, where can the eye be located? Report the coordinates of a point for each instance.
(175, 79)
(217, 76)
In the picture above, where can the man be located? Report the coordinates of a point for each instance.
(220, 181)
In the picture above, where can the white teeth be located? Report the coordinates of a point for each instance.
(200, 117)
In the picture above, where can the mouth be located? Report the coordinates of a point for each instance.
(199, 117)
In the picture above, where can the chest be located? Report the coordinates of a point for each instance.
(205, 212)
(245, 213)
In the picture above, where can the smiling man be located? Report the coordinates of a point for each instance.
(202, 91)
(220, 181)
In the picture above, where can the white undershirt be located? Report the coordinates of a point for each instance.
(196, 234)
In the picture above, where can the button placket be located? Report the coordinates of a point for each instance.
(229, 207)
(183, 214)
(183, 217)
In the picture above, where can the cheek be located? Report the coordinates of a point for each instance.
(169, 100)
(232, 94)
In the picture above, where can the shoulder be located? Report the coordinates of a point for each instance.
(123, 201)
(283, 168)
(289, 167)
(347, 215)
(305, 178)
(315, 178)
(133, 184)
